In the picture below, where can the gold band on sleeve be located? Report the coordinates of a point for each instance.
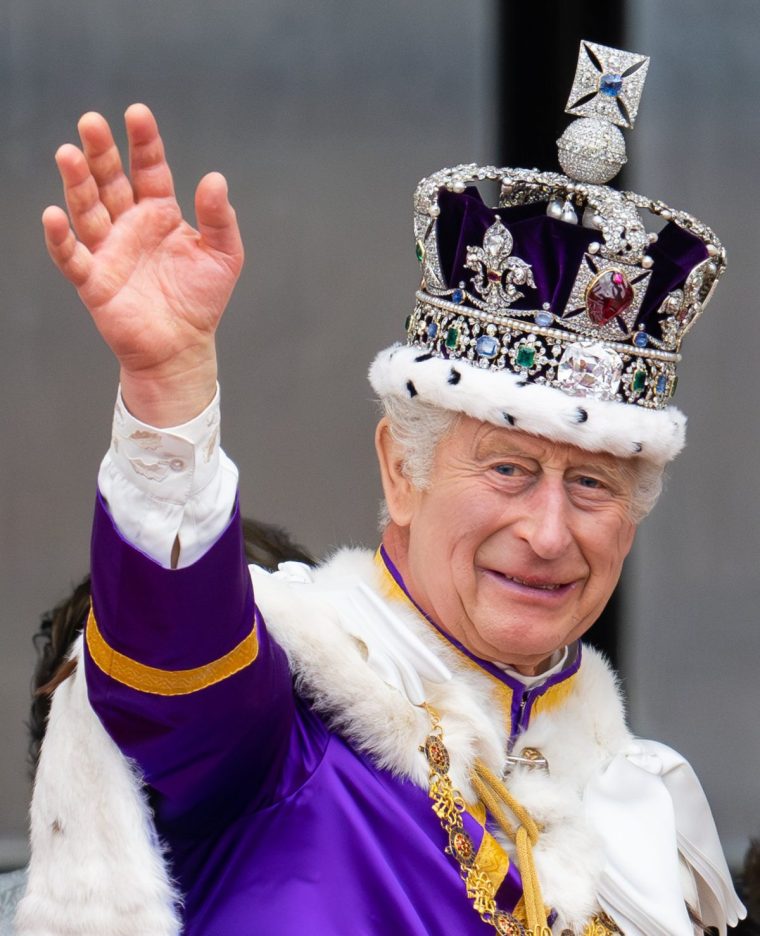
(166, 682)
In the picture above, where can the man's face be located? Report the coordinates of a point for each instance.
(517, 544)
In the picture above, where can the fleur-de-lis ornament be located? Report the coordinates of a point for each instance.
(497, 272)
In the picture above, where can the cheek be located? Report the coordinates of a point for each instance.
(455, 512)
(445, 538)
(608, 543)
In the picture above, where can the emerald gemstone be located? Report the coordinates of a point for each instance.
(407, 323)
(526, 355)
(639, 381)
(419, 249)
(673, 386)
(452, 338)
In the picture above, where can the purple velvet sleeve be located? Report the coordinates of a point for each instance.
(207, 753)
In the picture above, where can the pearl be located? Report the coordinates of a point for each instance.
(594, 247)
(568, 214)
(554, 208)
(647, 262)
(591, 219)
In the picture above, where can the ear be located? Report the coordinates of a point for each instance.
(399, 491)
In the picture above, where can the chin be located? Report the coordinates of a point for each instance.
(519, 652)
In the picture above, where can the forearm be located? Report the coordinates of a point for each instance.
(180, 669)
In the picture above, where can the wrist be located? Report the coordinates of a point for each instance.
(169, 398)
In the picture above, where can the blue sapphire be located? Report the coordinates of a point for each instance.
(641, 339)
(611, 85)
(487, 347)
(432, 330)
(544, 319)
(662, 383)
(458, 296)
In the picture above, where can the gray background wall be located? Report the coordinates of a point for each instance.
(693, 645)
(324, 116)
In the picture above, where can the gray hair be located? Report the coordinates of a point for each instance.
(418, 427)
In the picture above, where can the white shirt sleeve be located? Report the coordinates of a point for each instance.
(168, 488)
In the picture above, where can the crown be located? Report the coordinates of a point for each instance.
(561, 286)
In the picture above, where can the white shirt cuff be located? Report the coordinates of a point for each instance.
(169, 487)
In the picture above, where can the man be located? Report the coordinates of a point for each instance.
(413, 742)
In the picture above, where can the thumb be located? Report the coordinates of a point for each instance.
(217, 222)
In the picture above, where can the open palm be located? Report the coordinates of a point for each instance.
(155, 286)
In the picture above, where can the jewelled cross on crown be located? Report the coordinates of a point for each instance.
(605, 95)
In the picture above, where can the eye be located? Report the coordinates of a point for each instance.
(593, 484)
(595, 488)
(508, 470)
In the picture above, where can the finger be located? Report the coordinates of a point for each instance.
(216, 218)
(89, 216)
(105, 165)
(71, 257)
(151, 176)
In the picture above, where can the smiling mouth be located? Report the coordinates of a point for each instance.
(543, 586)
(536, 585)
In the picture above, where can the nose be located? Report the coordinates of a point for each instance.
(546, 522)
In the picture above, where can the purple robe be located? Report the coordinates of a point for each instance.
(273, 823)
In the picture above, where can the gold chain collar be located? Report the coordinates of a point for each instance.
(449, 805)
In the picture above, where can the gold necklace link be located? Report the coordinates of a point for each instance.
(448, 805)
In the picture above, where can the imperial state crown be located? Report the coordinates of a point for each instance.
(558, 311)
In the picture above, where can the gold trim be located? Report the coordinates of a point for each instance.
(492, 860)
(555, 696)
(166, 682)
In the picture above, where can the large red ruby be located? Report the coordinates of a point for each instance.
(608, 296)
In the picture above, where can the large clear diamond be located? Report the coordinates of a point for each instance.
(590, 370)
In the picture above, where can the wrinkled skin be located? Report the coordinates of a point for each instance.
(155, 286)
(517, 543)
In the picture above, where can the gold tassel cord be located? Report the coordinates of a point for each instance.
(494, 807)
(521, 814)
(493, 794)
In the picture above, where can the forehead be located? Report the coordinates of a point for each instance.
(483, 441)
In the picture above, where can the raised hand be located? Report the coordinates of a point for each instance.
(155, 286)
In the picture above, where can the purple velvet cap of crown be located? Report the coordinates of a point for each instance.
(554, 249)
(563, 331)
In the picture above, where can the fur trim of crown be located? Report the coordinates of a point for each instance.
(504, 399)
